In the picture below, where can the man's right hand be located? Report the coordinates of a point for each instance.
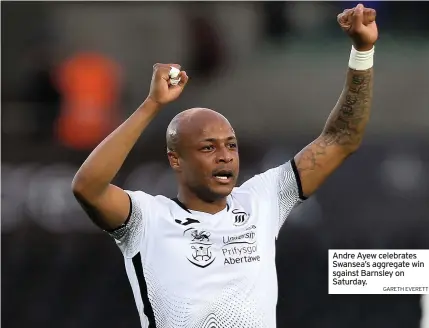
(105, 203)
(161, 90)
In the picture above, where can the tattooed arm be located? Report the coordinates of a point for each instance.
(344, 129)
(342, 134)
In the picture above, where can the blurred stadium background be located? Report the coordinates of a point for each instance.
(71, 72)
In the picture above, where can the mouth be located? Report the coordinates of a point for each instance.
(223, 176)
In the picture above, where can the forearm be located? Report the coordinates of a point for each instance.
(347, 121)
(102, 165)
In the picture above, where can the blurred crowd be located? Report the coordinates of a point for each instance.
(66, 80)
(72, 71)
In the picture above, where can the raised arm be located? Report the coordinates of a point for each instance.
(108, 205)
(345, 126)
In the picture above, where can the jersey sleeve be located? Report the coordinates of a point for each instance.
(280, 187)
(130, 234)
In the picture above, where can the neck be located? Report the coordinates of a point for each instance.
(195, 203)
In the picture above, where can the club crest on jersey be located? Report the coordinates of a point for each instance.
(240, 218)
(200, 253)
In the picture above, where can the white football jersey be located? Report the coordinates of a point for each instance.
(190, 269)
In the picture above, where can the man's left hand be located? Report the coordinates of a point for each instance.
(359, 24)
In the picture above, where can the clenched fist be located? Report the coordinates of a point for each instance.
(161, 90)
(359, 24)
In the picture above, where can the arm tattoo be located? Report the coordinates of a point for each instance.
(346, 123)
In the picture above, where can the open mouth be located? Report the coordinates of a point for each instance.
(223, 175)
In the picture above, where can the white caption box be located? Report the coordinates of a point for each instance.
(388, 271)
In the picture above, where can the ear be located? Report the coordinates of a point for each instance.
(174, 160)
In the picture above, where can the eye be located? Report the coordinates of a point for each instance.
(207, 148)
(232, 145)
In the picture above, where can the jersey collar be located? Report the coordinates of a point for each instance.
(183, 207)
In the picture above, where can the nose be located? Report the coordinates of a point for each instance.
(224, 156)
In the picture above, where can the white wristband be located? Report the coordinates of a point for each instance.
(361, 60)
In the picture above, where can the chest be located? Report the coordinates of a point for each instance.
(234, 246)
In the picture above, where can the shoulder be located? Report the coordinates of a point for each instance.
(265, 182)
(150, 206)
(281, 182)
(282, 177)
(146, 214)
(141, 199)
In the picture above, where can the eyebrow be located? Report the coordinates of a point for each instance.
(214, 139)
